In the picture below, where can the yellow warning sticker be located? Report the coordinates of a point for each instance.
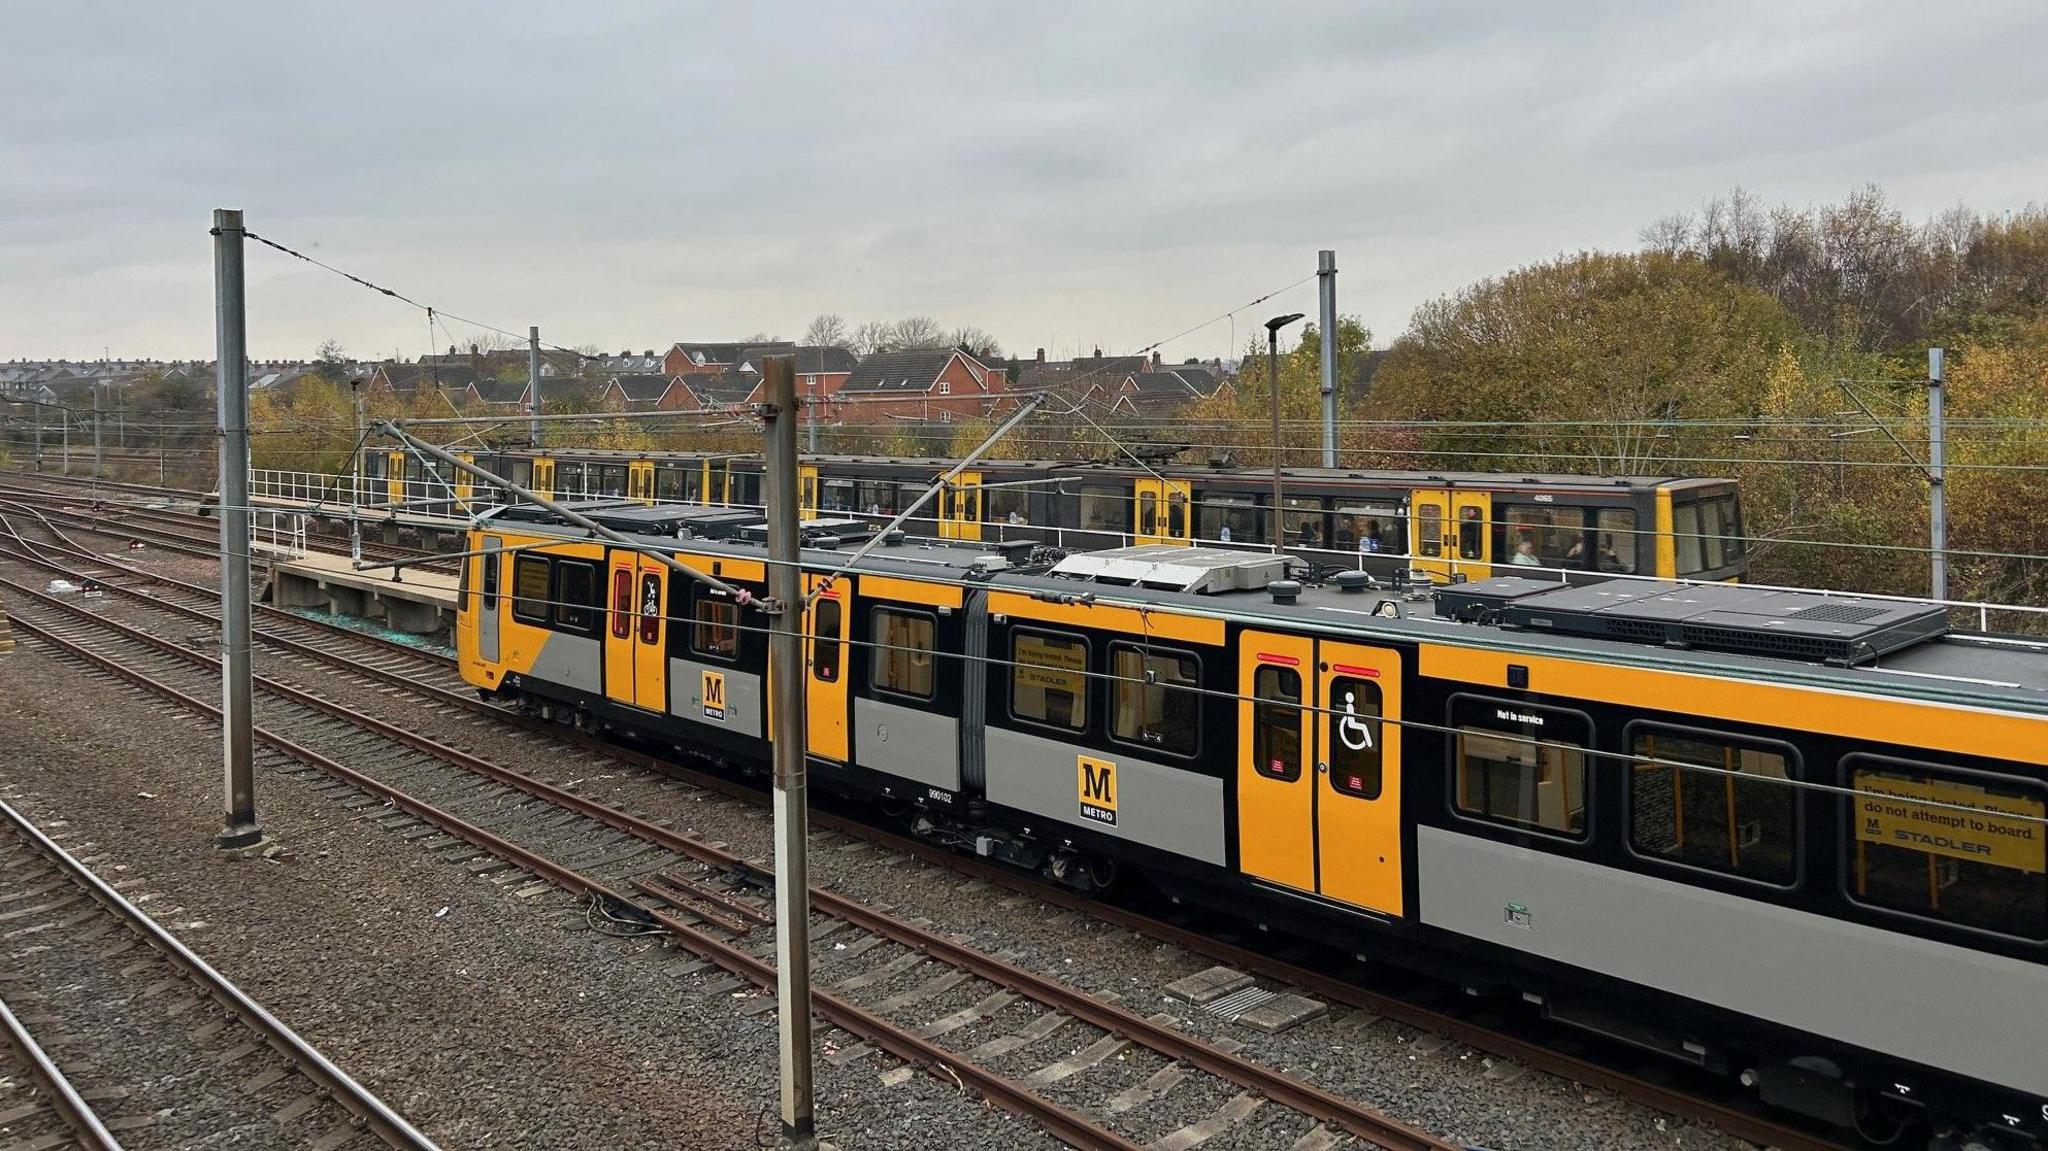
(1892, 810)
(714, 695)
(1096, 779)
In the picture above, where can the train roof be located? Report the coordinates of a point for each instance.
(1183, 470)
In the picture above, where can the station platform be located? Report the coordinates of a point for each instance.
(377, 522)
(421, 603)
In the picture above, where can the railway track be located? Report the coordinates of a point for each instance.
(430, 677)
(149, 1030)
(643, 876)
(169, 529)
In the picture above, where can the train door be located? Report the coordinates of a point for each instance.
(464, 485)
(825, 682)
(394, 476)
(715, 477)
(1319, 795)
(807, 491)
(1162, 511)
(487, 599)
(544, 478)
(640, 481)
(635, 655)
(1452, 532)
(960, 513)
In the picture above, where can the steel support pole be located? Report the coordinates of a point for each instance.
(355, 479)
(231, 340)
(533, 385)
(65, 443)
(787, 674)
(1326, 296)
(38, 410)
(1273, 393)
(1937, 487)
(98, 441)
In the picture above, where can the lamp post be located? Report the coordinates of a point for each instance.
(1273, 327)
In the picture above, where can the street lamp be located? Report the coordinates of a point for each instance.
(1273, 327)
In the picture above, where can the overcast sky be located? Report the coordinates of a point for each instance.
(1062, 175)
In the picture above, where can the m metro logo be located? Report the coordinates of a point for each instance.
(1096, 781)
(714, 695)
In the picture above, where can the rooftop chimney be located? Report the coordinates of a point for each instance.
(1041, 355)
(1155, 359)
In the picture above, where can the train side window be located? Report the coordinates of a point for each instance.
(577, 601)
(1355, 759)
(825, 641)
(1229, 519)
(746, 489)
(1148, 513)
(1520, 765)
(530, 589)
(462, 587)
(1429, 529)
(1615, 540)
(1276, 723)
(1105, 509)
(904, 660)
(716, 629)
(1156, 704)
(1009, 506)
(1957, 846)
(1685, 528)
(1714, 801)
(1177, 515)
(1558, 534)
(1049, 679)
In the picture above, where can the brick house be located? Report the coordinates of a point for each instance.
(938, 385)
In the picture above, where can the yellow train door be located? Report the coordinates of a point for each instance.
(825, 680)
(1358, 775)
(1473, 540)
(807, 491)
(621, 662)
(650, 641)
(1275, 761)
(1162, 511)
(394, 476)
(960, 508)
(1451, 531)
(715, 475)
(1319, 782)
(464, 486)
(544, 478)
(640, 481)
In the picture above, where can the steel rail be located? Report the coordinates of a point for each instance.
(1069, 1126)
(387, 1124)
(63, 1098)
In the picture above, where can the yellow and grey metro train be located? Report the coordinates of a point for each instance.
(1790, 838)
(1447, 525)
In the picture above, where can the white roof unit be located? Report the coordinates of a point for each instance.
(1170, 567)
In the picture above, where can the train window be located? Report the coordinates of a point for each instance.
(746, 490)
(825, 619)
(839, 497)
(1148, 513)
(521, 472)
(668, 483)
(576, 596)
(1615, 541)
(462, 588)
(1049, 679)
(568, 479)
(1370, 529)
(1302, 522)
(491, 562)
(1471, 533)
(651, 608)
(904, 663)
(1105, 509)
(716, 631)
(1156, 704)
(1276, 723)
(611, 479)
(714, 481)
(1429, 529)
(1709, 534)
(1230, 520)
(1960, 847)
(1520, 765)
(1009, 505)
(1556, 536)
(1715, 802)
(693, 482)
(622, 603)
(1355, 760)
(1177, 515)
(530, 589)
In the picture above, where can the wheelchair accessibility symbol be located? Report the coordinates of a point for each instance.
(1352, 730)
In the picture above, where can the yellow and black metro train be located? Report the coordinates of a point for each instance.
(1793, 838)
(1445, 524)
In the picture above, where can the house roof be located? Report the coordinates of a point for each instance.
(411, 377)
(722, 390)
(722, 353)
(913, 371)
(642, 387)
(492, 391)
(1103, 370)
(815, 359)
